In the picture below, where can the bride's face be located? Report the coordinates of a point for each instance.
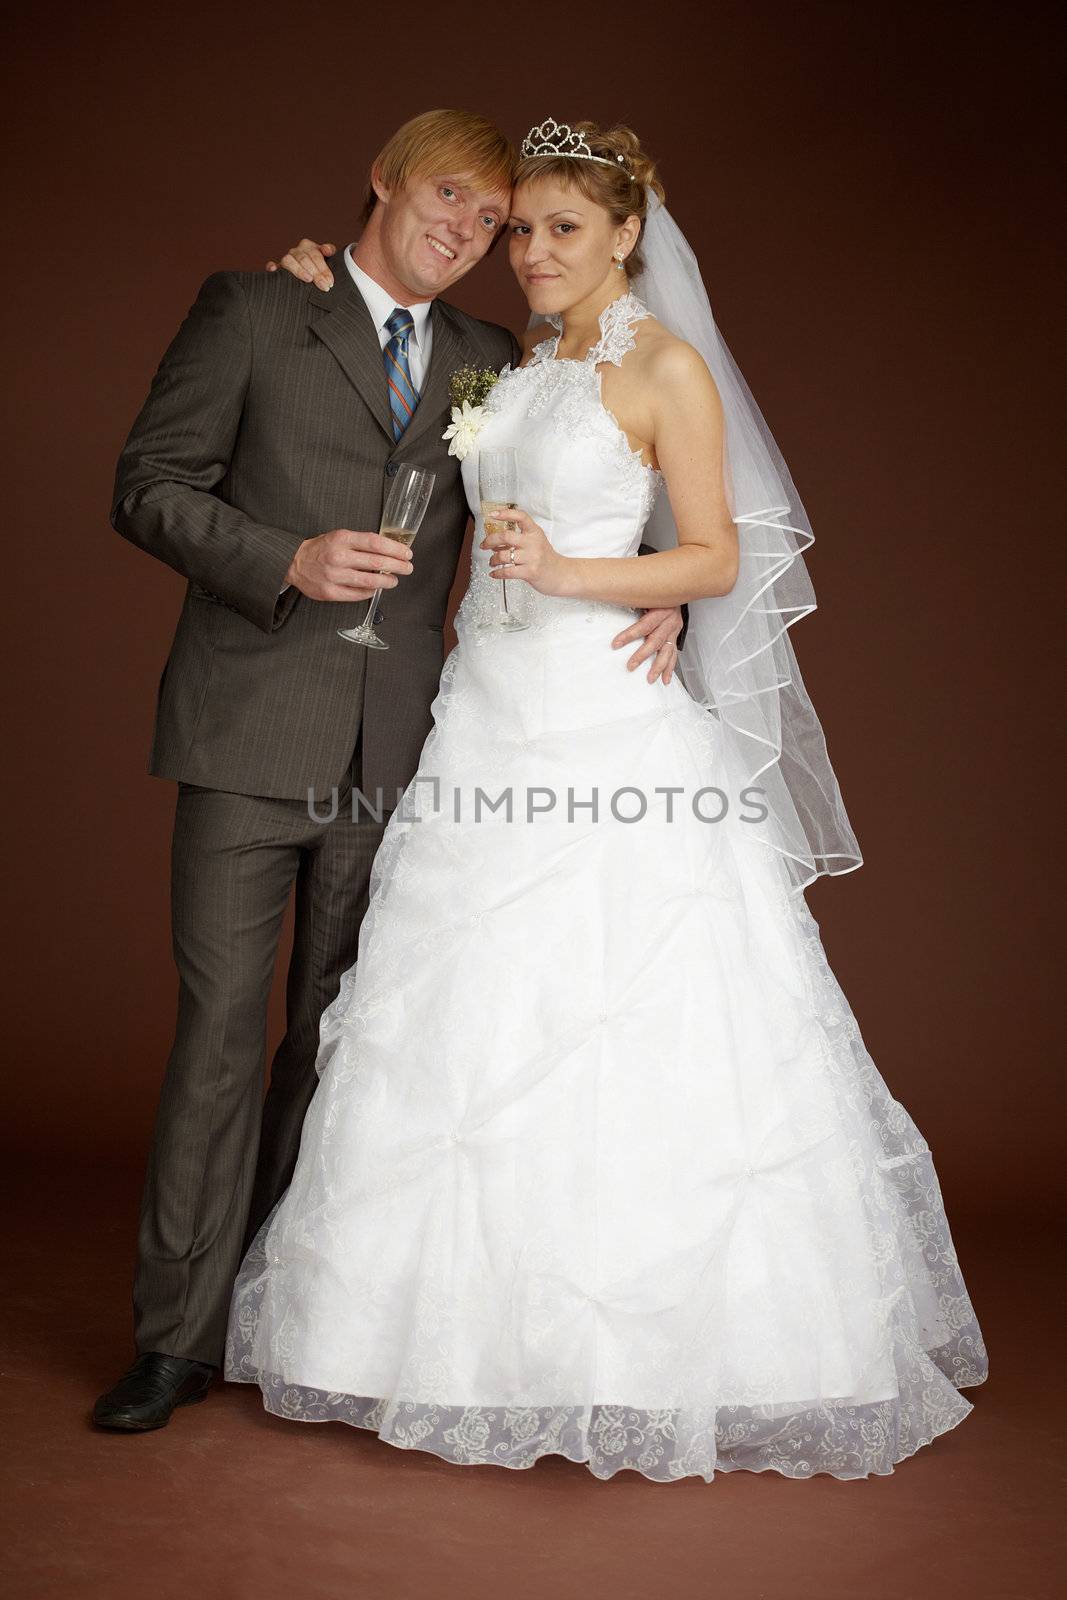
(562, 246)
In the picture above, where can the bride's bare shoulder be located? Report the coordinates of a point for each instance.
(657, 344)
(667, 359)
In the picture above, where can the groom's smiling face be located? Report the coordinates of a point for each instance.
(438, 228)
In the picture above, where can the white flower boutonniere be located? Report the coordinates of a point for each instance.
(463, 430)
(469, 389)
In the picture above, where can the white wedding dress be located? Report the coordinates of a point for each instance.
(598, 1164)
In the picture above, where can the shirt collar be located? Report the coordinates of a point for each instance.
(380, 304)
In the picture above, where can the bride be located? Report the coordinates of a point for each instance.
(598, 1164)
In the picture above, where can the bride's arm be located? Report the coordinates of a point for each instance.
(690, 446)
(688, 423)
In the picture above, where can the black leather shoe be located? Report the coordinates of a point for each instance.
(145, 1396)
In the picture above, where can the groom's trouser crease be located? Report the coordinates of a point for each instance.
(221, 1155)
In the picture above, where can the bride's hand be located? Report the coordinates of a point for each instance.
(533, 558)
(306, 262)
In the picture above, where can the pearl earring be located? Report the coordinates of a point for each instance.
(619, 263)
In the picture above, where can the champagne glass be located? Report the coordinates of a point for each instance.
(498, 489)
(404, 509)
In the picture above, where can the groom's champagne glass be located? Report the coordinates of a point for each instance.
(498, 490)
(404, 509)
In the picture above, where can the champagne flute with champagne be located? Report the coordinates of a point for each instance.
(498, 490)
(402, 514)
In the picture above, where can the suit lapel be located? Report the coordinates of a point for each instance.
(339, 317)
(449, 353)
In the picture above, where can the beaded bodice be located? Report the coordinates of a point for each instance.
(579, 478)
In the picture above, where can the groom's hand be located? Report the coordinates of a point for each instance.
(343, 565)
(658, 629)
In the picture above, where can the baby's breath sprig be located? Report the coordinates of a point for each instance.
(471, 385)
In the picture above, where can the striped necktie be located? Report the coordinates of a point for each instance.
(403, 397)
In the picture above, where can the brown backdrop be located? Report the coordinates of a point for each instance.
(869, 201)
(868, 190)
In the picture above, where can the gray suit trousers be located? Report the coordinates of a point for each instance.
(221, 1154)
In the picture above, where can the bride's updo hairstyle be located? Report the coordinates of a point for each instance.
(618, 187)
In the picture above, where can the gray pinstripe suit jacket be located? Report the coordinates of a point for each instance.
(267, 423)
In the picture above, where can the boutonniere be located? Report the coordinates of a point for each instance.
(469, 390)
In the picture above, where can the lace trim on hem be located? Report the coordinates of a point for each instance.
(841, 1441)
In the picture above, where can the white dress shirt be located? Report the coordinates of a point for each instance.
(381, 306)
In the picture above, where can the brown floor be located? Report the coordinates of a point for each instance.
(229, 1502)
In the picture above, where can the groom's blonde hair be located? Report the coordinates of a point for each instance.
(458, 142)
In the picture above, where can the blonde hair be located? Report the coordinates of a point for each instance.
(619, 188)
(460, 142)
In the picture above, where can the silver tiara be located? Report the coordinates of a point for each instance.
(551, 138)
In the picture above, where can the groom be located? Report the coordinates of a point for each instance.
(276, 418)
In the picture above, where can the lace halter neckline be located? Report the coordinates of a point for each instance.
(617, 321)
